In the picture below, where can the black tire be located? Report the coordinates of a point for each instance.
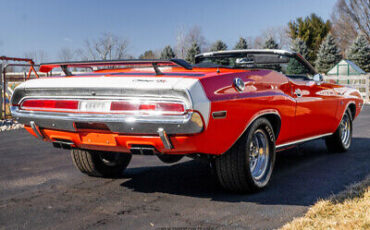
(100, 164)
(233, 168)
(337, 143)
(169, 159)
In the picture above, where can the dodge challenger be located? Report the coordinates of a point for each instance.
(235, 108)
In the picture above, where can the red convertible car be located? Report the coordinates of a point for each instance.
(236, 108)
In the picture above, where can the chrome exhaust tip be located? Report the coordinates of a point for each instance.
(36, 130)
(164, 137)
(63, 144)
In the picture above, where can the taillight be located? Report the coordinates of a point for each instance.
(157, 107)
(174, 107)
(36, 104)
(104, 106)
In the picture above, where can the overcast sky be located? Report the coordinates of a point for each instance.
(29, 25)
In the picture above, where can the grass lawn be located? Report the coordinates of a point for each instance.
(349, 209)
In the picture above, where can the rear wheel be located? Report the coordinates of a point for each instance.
(341, 140)
(248, 165)
(99, 163)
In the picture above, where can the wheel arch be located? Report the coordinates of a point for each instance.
(352, 108)
(272, 115)
(275, 122)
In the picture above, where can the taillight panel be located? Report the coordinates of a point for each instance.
(50, 105)
(125, 106)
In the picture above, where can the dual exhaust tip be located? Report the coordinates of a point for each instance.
(63, 144)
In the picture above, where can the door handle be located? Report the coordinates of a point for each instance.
(298, 93)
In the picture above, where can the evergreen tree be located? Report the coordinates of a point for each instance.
(149, 54)
(241, 45)
(359, 53)
(295, 67)
(192, 51)
(218, 46)
(270, 44)
(328, 55)
(167, 53)
(312, 30)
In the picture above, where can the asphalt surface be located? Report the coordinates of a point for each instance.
(40, 188)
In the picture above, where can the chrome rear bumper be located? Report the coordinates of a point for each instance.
(189, 123)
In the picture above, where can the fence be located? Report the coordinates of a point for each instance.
(359, 82)
(10, 80)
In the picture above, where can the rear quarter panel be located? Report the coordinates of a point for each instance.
(265, 91)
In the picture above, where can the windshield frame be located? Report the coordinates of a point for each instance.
(237, 53)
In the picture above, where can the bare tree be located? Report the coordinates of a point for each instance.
(350, 17)
(181, 46)
(343, 30)
(107, 47)
(66, 54)
(37, 56)
(195, 34)
(185, 38)
(280, 34)
(258, 42)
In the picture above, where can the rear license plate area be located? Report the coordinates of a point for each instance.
(95, 106)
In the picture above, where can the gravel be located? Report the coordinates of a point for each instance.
(6, 125)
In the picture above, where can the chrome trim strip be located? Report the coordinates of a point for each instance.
(111, 94)
(118, 123)
(303, 140)
(36, 130)
(125, 99)
(164, 137)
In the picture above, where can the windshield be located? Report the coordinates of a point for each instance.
(290, 65)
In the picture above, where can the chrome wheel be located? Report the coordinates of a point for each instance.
(259, 154)
(345, 127)
(248, 165)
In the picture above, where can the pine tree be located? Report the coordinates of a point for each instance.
(294, 67)
(312, 30)
(328, 55)
(218, 46)
(241, 45)
(149, 54)
(359, 53)
(192, 51)
(167, 53)
(270, 44)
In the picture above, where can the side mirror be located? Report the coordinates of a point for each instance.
(318, 78)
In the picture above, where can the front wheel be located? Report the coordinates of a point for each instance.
(248, 165)
(341, 140)
(100, 164)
